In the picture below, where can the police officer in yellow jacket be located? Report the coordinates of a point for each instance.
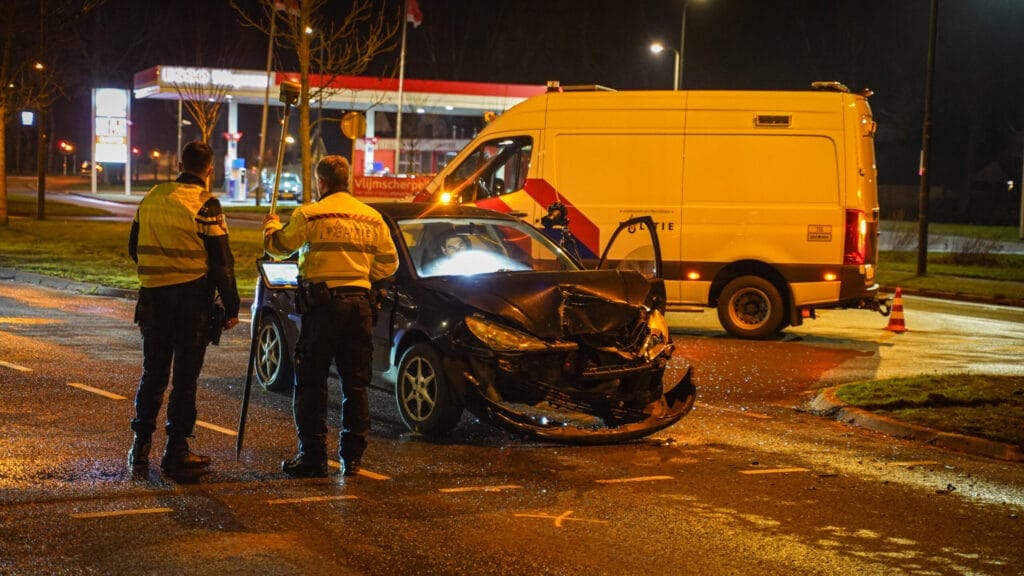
(344, 246)
(179, 239)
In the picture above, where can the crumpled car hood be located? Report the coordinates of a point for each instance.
(553, 304)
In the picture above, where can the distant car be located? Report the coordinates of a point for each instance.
(86, 168)
(511, 328)
(290, 189)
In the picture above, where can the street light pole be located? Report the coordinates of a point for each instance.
(657, 48)
(682, 47)
(679, 70)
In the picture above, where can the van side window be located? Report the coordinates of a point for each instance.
(495, 168)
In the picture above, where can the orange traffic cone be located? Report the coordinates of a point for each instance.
(896, 314)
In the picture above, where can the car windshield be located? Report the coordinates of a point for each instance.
(464, 246)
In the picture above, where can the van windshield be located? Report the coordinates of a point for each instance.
(494, 168)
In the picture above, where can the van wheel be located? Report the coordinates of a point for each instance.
(274, 369)
(426, 400)
(750, 307)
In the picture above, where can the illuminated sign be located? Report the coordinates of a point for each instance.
(110, 125)
(233, 79)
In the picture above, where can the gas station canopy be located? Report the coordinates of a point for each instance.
(343, 92)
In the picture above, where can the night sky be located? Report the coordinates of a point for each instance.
(978, 114)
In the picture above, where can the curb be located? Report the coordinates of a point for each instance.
(828, 404)
(57, 283)
(1012, 302)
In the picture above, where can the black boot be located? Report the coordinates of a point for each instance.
(350, 467)
(138, 456)
(305, 465)
(177, 456)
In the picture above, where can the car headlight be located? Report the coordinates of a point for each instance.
(502, 338)
(657, 340)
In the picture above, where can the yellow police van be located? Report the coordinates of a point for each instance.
(765, 202)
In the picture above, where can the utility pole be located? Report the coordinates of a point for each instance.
(926, 135)
(41, 125)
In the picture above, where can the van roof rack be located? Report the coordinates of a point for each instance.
(555, 86)
(830, 85)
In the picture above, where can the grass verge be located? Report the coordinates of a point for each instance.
(986, 406)
(95, 251)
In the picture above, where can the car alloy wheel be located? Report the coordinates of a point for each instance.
(426, 401)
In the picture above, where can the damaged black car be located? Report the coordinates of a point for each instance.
(487, 314)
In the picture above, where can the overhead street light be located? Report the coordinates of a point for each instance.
(658, 48)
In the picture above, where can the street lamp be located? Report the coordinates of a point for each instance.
(658, 48)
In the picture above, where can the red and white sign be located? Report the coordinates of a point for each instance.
(388, 186)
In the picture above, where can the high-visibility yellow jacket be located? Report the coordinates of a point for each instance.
(179, 234)
(340, 241)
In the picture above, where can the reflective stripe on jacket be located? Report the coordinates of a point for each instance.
(170, 248)
(340, 241)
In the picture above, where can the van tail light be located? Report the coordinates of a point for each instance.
(856, 234)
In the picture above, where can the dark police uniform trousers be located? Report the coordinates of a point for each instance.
(174, 321)
(339, 330)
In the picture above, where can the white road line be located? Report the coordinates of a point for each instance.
(216, 428)
(114, 513)
(479, 489)
(15, 366)
(310, 499)
(634, 479)
(362, 471)
(103, 393)
(775, 471)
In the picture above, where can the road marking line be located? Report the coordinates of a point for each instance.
(560, 518)
(215, 428)
(912, 463)
(311, 499)
(734, 411)
(103, 393)
(633, 479)
(114, 513)
(362, 471)
(480, 488)
(775, 471)
(15, 366)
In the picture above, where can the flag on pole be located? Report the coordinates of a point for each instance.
(412, 13)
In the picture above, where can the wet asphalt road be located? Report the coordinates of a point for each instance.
(748, 483)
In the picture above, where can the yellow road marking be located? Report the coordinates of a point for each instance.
(15, 366)
(114, 513)
(103, 393)
(634, 479)
(561, 518)
(480, 488)
(757, 415)
(310, 499)
(775, 471)
(362, 471)
(216, 428)
(912, 463)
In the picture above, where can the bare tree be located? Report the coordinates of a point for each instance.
(328, 44)
(30, 74)
(203, 99)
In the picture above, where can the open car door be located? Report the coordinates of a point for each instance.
(634, 246)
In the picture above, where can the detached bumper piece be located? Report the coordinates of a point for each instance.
(584, 427)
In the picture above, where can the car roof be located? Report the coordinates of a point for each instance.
(406, 210)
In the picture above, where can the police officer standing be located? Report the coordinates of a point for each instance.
(179, 239)
(344, 246)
